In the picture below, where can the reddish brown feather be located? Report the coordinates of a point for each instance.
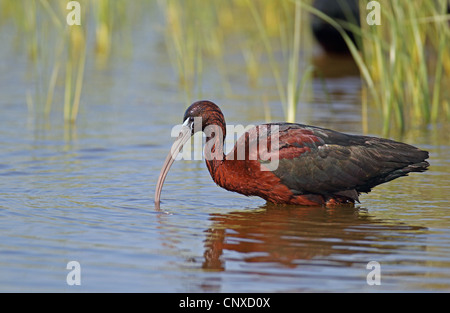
(246, 176)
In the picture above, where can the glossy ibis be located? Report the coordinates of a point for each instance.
(316, 166)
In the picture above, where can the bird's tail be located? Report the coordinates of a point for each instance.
(416, 167)
(399, 160)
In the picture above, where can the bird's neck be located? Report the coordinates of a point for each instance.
(214, 155)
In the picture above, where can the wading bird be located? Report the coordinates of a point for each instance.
(315, 166)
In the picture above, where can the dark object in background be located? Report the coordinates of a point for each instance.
(340, 10)
(344, 10)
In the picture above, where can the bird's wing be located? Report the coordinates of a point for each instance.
(322, 161)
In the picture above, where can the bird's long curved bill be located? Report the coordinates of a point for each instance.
(184, 136)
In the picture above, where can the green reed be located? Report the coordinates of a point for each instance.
(404, 62)
(407, 60)
(289, 89)
(185, 38)
(57, 51)
(198, 30)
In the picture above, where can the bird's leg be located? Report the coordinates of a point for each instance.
(339, 201)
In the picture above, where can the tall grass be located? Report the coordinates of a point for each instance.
(57, 51)
(265, 29)
(188, 44)
(74, 74)
(403, 62)
(51, 44)
(289, 89)
(407, 62)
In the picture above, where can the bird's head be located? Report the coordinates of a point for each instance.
(197, 117)
(202, 114)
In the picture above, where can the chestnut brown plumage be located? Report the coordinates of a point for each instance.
(316, 166)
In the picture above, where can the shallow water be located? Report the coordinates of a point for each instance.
(85, 193)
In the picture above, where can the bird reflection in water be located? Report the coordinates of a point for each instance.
(290, 235)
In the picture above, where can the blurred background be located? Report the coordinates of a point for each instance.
(85, 118)
(282, 58)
